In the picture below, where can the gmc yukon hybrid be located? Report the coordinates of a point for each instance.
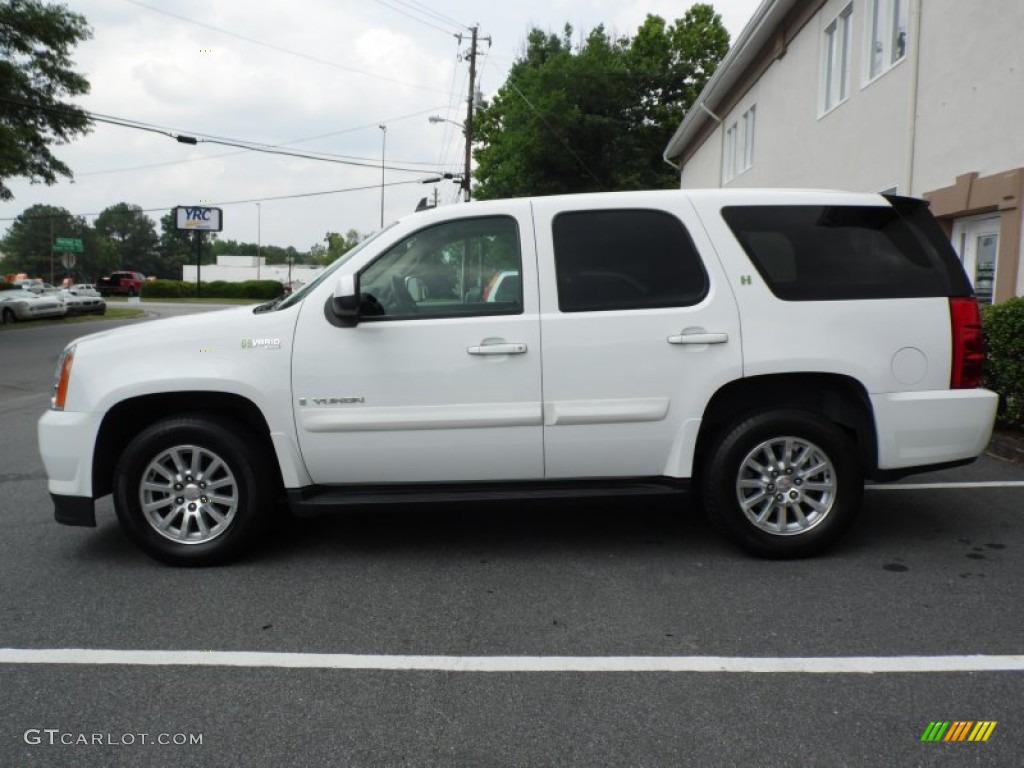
(770, 349)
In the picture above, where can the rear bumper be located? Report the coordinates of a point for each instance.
(917, 429)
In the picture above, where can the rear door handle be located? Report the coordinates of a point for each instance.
(512, 348)
(699, 338)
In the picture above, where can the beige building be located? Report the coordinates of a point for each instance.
(915, 97)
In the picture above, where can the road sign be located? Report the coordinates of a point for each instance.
(198, 218)
(68, 260)
(68, 244)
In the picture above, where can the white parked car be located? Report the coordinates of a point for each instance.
(83, 289)
(23, 304)
(768, 349)
(82, 303)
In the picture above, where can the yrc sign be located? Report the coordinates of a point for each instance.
(198, 219)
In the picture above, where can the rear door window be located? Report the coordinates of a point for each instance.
(822, 253)
(625, 259)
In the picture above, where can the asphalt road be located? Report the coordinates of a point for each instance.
(924, 573)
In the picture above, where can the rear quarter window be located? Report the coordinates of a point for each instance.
(823, 253)
(625, 259)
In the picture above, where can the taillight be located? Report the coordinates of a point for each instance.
(60, 386)
(968, 343)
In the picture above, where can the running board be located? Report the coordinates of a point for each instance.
(316, 500)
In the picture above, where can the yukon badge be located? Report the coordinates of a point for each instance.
(261, 343)
(331, 400)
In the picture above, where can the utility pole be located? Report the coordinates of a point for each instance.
(470, 105)
(383, 149)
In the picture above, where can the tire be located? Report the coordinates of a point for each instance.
(9, 317)
(803, 508)
(172, 466)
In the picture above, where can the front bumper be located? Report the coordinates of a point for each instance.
(917, 429)
(67, 441)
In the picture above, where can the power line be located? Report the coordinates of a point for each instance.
(236, 202)
(414, 18)
(148, 166)
(281, 49)
(428, 11)
(269, 149)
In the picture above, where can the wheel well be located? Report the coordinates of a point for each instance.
(128, 418)
(840, 399)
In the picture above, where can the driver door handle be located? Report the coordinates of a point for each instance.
(512, 348)
(698, 338)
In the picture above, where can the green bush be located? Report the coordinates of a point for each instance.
(1004, 359)
(217, 289)
(162, 289)
(261, 289)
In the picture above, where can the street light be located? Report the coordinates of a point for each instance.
(465, 175)
(439, 119)
(383, 147)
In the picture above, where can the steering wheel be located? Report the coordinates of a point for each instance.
(401, 298)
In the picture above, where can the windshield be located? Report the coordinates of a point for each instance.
(300, 294)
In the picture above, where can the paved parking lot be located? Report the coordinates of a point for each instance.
(605, 634)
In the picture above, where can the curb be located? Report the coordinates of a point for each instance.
(1006, 447)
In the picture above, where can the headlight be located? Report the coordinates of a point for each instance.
(62, 378)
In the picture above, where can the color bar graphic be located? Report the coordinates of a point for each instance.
(959, 730)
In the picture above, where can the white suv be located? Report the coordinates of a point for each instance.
(771, 349)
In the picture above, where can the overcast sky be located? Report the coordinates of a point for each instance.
(317, 75)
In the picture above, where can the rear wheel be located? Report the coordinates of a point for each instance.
(194, 490)
(9, 316)
(784, 484)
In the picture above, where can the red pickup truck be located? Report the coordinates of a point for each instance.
(121, 284)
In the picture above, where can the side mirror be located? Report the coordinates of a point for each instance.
(345, 302)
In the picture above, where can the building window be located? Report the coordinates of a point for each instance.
(836, 69)
(748, 139)
(887, 35)
(729, 154)
(738, 152)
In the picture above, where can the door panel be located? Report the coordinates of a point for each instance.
(407, 395)
(625, 388)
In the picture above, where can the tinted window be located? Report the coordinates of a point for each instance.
(820, 253)
(632, 259)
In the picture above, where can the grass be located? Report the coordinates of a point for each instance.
(115, 313)
(188, 300)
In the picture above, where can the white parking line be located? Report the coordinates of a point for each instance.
(755, 665)
(942, 486)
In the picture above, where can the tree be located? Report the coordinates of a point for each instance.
(28, 245)
(596, 116)
(133, 237)
(35, 74)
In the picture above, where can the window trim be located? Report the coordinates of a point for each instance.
(738, 145)
(881, 27)
(837, 38)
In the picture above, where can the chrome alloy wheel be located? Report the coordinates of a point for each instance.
(188, 494)
(786, 486)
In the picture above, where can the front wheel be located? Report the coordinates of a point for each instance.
(784, 484)
(194, 490)
(9, 316)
